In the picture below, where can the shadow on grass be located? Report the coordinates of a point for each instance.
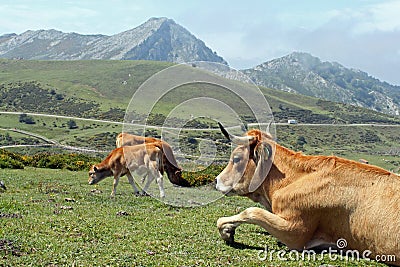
(238, 245)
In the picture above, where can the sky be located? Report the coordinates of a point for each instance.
(360, 34)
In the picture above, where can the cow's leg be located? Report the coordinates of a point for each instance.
(132, 182)
(292, 234)
(143, 178)
(160, 183)
(115, 184)
(150, 178)
(154, 172)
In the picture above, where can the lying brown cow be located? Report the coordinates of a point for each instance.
(312, 200)
(170, 166)
(143, 159)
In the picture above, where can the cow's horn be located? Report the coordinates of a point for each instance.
(225, 132)
(269, 126)
(239, 140)
(242, 140)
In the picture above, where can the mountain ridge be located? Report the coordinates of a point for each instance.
(305, 74)
(159, 39)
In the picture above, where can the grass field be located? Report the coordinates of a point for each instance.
(53, 218)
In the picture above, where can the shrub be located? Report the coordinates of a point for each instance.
(203, 177)
(23, 118)
(73, 162)
(72, 124)
(10, 163)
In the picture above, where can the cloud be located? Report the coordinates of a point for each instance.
(21, 17)
(379, 17)
(366, 39)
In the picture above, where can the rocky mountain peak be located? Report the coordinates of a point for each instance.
(156, 39)
(305, 74)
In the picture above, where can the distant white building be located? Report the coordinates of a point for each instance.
(292, 121)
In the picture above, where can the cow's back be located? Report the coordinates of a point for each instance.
(376, 219)
(125, 139)
(363, 208)
(141, 155)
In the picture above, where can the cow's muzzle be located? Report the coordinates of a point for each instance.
(221, 187)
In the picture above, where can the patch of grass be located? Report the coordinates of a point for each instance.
(61, 222)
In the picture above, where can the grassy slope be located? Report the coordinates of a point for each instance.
(100, 80)
(103, 81)
(45, 232)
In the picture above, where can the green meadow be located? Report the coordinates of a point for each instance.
(54, 218)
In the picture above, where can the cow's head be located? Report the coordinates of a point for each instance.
(96, 174)
(249, 163)
(169, 164)
(175, 175)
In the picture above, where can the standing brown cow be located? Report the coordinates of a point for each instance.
(170, 166)
(144, 159)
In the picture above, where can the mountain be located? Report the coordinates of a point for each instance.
(305, 74)
(159, 39)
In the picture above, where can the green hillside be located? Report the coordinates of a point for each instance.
(61, 214)
(101, 90)
(102, 87)
(108, 82)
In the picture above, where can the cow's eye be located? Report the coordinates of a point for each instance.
(236, 159)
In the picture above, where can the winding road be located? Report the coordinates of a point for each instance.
(191, 129)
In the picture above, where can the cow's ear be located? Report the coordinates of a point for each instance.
(263, 159)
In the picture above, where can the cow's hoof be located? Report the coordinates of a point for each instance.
(227, 232)
(144, 194)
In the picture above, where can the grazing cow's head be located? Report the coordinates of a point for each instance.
(249, 163)
(96, 174)
(169, 164)
(175, 174)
